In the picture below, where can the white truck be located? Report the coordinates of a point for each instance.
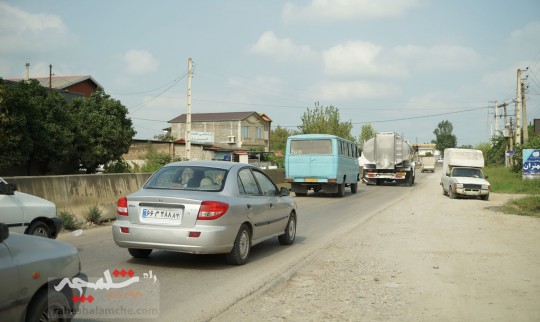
(388, 158)
(462, 174)
(428, 163)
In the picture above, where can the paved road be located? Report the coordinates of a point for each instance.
(199, 287)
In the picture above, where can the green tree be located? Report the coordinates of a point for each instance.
(104, 132)
(444, 136)
(325, 120)
(484, 147)
(495, 154)
(367, 133)
(278, 138)
(34, 127)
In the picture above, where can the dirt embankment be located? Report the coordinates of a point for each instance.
(425, 258)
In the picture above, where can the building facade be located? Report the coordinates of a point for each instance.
(246, 130)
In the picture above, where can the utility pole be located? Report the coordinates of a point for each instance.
(518, 108)
(50, 76)
(27, 72)
(496, 119)
(188, 113)
(524, 105)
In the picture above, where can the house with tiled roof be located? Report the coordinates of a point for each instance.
(84, 85)
(246, 130)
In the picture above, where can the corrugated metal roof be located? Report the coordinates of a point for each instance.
(213, 117)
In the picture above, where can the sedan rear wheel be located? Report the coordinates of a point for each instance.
(139, 253)
(290, 232)
(242, 246)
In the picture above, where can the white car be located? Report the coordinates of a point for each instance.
(27, 214)
(30, 268)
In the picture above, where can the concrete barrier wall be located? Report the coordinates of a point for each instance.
(77, 193)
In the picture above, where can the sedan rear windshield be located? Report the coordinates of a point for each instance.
(187, 178)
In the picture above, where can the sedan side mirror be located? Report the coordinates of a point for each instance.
(284, 192)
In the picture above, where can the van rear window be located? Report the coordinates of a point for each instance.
(299, 147)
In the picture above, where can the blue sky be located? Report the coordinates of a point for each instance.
(401, 65)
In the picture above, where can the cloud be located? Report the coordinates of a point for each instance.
(531, 32)
(22, 32)
(281, 49)
(440, 57)
(360, 59)
(332, 10)
(140, 62)
(344, 90)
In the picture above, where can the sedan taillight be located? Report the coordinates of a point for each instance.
(210, 210)
(121, 207)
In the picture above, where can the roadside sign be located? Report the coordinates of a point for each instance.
(510, 152)
(531, 163)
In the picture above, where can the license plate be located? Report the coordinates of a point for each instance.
(311, 180)
(158, 214)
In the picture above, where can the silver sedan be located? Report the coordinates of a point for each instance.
(205, 207)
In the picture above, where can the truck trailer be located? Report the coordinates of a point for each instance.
(389, 158)
(462, 174)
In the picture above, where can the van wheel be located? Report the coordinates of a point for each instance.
(340, 190)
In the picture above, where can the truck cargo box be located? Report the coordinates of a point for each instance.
(462, 158)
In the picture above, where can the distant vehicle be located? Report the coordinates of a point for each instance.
(322, 163)
(30, 267)
(428, 163)
(462, 174)
(389, 159)
(24, 213)
(205, 207)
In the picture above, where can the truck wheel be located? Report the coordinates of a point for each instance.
(444, 192)
(451, 193)
(485, 197)
(354, 187)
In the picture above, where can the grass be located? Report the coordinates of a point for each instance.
(503, 180)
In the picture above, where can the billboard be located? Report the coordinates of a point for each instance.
(202, 137)
(531, 163)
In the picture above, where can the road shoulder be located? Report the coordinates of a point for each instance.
(424, 258)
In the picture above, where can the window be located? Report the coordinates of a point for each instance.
(299, 147)
(245, 132)
(247, 184)
(258, 132)
(267, 186)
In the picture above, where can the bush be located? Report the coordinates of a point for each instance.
(119, 166)
(69, 221)
(94, 215)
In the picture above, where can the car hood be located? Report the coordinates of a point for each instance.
(470, 180)
(36, 205)
(52, 258)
